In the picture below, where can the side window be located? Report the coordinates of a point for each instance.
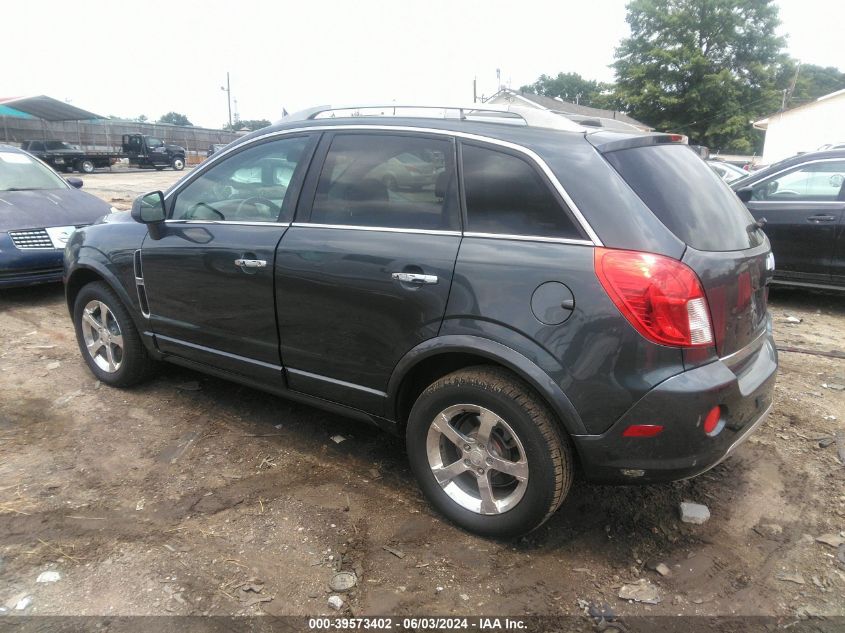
(506, 195)
(816, 182)
(389, 181)
(249, 186)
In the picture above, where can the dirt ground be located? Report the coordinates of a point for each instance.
(191, 495)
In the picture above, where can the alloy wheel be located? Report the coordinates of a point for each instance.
(477, 459)
(102, 335)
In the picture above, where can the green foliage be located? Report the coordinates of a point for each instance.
(142, 118)
(250, 124)
(813, 81)
(571, 87)
(705, 68)
(174, 118)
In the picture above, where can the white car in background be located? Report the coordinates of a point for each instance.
(726, 171)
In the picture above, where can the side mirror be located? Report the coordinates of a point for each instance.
(76, 183)
(745, 193)
(149, 208)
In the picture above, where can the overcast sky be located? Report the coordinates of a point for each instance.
(159, 56)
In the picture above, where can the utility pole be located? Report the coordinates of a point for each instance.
(228, 90)
(787, 94)
(474, 92)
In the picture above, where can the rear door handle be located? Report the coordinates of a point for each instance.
(251, 263)
(822, 218)
(415, 278)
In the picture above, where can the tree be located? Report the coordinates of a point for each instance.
(142, 118)
(571, 87)
(174, 118)
(812, 82)
(250, 124)
(705, 68)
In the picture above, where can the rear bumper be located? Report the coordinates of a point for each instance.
(743, 384)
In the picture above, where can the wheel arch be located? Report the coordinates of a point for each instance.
(91, 271)
(440, 356)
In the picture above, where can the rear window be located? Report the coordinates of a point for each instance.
(687, 197)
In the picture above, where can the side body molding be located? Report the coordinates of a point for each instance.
(502, 354)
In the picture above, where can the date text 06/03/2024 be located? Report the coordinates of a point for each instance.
(418, 623)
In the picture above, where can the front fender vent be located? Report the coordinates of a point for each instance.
(139, 284)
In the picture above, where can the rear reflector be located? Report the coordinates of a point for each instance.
(661, 297)
(643, 430)
(711, 422)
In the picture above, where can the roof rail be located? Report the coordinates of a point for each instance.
(492, 113)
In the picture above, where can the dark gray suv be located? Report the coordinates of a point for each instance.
(545, 295)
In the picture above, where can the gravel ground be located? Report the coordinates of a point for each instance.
(191, 495)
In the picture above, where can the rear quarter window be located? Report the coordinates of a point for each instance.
(685, 194)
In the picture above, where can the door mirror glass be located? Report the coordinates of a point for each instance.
(149, 208)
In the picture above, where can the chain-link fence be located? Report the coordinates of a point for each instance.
(106, 135)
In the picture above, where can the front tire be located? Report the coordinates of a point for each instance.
(108, 338)
(178, 163)
(488, 453)
(86, 167)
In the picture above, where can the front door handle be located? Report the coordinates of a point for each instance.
(415, 278)
(251, 263)
(822, 218)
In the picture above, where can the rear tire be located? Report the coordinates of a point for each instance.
(108, 339)
(465, 429)
(86, 167)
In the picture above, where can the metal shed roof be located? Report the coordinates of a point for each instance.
(48, 109)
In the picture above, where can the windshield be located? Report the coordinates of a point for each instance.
(19, 172)
(59, 145)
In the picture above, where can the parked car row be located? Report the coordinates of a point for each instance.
(467, 284)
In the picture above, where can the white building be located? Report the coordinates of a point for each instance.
(805, 128)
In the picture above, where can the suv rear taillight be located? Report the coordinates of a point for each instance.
(661, 297)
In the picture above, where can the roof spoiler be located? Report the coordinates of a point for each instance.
(608, 142)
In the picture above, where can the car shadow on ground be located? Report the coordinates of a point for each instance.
(30, 296)
(805, 299)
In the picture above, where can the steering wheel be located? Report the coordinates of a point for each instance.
(256, 200)
(191, 213)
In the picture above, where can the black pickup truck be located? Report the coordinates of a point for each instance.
(140, 149)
